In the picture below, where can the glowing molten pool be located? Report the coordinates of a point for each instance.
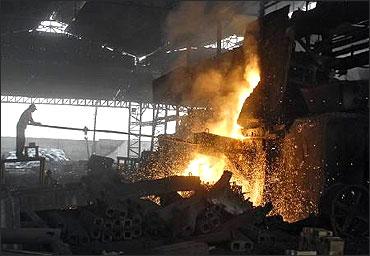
(208, 168)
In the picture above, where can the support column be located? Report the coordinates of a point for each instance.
(134, 130)
(152, 142)
(160, 116)
(165, 119)
(177, 118)
(219, 37)
(129, 133)
(262, 8)
(93, 151)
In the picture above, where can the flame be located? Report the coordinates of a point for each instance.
(228, 124)
(210, 168)
(252, 74)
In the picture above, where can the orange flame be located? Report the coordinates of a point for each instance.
(228, 126)
(210, 168)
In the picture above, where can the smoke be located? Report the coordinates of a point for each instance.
(185, 21)
(221, 84)
(194, 21)
(224, 88)
(221, 91)
(194, 24)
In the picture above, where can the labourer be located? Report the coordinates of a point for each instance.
(24, 120)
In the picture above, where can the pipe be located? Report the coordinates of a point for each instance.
(117, 224)
(108, 225)
(95, 233)
(137, 232)
(83, 238)
(106, 236)
(122, 213)
(81, 129)
(117, 235)
(72, 239)
(109, 212)
(88, 218)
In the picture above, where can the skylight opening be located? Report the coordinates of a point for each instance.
(310, 6)
(52, 26)
(228, 43)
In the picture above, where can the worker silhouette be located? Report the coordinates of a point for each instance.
(24, 120)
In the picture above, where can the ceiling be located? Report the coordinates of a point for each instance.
(43, 64)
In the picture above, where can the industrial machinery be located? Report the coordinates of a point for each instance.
(301, 156)
(311, 123)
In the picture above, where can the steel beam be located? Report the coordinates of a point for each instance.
(80, 102)
(351, 49)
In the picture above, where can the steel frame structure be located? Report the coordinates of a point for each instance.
(158, 127)
(136, 112)
(80, 102)
(135, 122)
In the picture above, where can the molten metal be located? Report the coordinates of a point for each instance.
(228, 126)
(210, 168)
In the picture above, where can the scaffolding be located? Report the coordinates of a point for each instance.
(159, 122)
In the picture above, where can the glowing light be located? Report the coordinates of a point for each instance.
(253, 78)
(227, 43)
(228, 125)
(142, 58)
(208, 168)
(52, 26)
(311, 5)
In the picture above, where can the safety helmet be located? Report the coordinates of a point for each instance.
(33, 106)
